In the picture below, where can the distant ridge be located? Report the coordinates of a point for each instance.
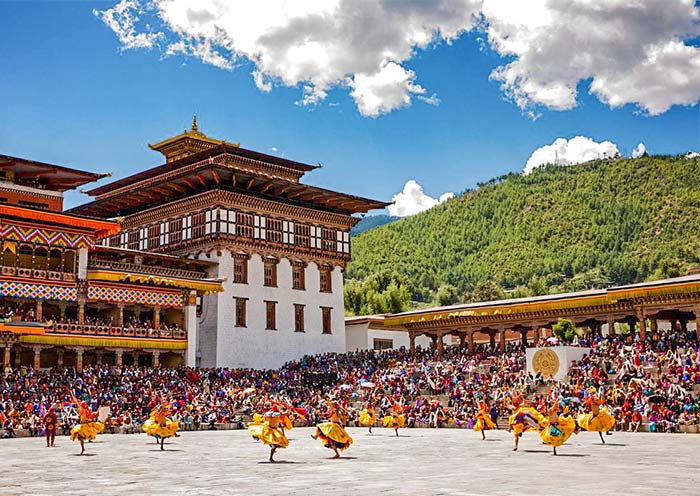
(561, 228)
(372, 221)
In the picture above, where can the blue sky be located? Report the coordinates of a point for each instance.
(70, 96)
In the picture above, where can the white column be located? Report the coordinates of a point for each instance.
(82, 263)
(190, 323)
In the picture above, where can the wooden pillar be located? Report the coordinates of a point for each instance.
(412, 342)
(39, 311)
(642, 325)
(18, 357)
(611, 327)
(120, 315)
(99, 354)
(492, 340)
(156, 317)
(697, 324)
(440, 344)
(62, 308)
(523, 337)
(135, 356)
(59, 357)
(471, 342)
(6, 357)
(79, 358)
(81, 311)
(156, 358)
(37, 357)
(118, 357)
(502, 342)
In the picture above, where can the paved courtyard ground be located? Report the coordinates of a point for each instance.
(420, 462)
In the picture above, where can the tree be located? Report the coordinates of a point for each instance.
(564, 330)
(486, 290)
(445, 295)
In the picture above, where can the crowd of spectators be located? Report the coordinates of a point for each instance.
(653, 384)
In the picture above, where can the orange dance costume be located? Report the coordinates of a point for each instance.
(159, 424)
(396, 420)
(332, 434)
(483, 418)
(88, 427)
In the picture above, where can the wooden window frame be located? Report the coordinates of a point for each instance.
(326, 320)
(240, 306)
(240, 261)
(299, 276)
(328, 273)
(299, 317)
(270, 265)
(271, 315)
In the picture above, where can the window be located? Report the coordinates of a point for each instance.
(274, 230)
(164, 233)
(383, 344)
(186, 227)
(316, 237)
(343, 245)
(154, 237)
(271, 315)
(329, 241)
(210, 221)
(198, 224)
(240, 311)
(123, 240)
(326, 279)
(298, 318)
(259, 227)
(301, 235)
(175, 231)
(244, 226)
(143, 238)
(240, 269)
(227, 221)
(326, 317)
(270, 272)
(288, 232)
(298, 275)
(133, 243)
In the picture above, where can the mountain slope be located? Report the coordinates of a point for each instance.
(559, 228)
(371, 221)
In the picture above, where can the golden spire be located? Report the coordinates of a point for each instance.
(194, 129)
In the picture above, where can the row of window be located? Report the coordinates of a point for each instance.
(240, 274)
(241, 317)
(228, 221)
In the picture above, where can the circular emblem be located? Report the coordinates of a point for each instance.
(546, 362)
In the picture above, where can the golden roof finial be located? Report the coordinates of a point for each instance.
(194, 129)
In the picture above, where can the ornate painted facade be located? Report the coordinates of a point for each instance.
(280, 246)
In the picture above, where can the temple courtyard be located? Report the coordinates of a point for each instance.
(420, 462)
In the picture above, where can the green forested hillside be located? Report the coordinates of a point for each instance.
(557, 229)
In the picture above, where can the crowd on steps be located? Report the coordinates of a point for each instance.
(653, 385)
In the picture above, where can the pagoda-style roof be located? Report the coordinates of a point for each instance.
(98, 227)
(225, 167)
(41, 175)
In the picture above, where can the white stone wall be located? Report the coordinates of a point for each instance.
(361, 337)
(222, 344)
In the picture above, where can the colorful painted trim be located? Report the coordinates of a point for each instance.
(117, 276)
(119, 294)
(38, 291)
(135, 343)
(37, 235)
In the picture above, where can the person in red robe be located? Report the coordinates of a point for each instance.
(50, 426)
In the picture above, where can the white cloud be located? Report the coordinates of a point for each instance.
(122, 19)
(568, 152)
(632, 51)
(639, 151)
(413, 200)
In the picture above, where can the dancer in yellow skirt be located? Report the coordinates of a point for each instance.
(525, 418)
(88, 427)
(396, 420)
(599, 419)
(483, 419)
(368, 416)
(557, 428)
(267, 428)
(159, 425)
(333, 434)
